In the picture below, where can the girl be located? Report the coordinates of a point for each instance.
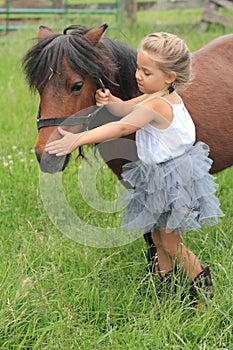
(171, 189)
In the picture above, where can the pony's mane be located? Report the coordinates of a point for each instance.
(125, 60)
(109, 60)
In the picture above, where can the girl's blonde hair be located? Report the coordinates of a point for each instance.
(171, 54)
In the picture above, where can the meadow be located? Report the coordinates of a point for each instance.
(58, 294)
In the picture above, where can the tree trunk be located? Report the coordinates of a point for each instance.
(128, 9)
(58, 4)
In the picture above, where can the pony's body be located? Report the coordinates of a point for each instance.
(65, 69)
(208, 99)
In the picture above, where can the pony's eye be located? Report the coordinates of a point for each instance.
(77, 86)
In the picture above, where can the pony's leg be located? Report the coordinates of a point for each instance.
(151, 252)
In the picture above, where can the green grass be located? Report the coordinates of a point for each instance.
(58, 294)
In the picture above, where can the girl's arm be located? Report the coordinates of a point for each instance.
(102, 98)
(135, 120)
(71, 141)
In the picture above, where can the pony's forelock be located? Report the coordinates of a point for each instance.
(108, 60)
(45, 58)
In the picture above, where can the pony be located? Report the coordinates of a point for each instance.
(66, 69)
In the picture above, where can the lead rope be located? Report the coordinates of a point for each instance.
(157, 94)
(80, 149)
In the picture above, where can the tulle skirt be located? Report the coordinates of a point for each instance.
(177, 195)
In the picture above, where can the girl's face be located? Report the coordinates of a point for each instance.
(149, 77)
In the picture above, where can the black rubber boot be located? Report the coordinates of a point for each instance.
(202, 287)
(168, 281)
(151, 252)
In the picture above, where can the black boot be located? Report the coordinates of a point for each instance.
(151, 252)
(202, 286)
(168, 281)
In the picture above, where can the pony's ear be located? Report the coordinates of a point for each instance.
(44, 32)
(95, 35)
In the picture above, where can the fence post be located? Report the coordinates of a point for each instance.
(66, 6)
(7, 15)
(117, 8)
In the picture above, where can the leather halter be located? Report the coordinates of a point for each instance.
(66, 121)
(70, 121)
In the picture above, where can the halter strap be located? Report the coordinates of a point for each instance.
(65, 121)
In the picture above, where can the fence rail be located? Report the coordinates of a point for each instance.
(8, 12)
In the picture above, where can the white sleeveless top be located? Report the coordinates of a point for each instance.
(160, 145)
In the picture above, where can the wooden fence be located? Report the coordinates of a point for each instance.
(211, 13)
(12, 11)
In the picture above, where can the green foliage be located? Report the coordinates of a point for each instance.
(58, 294)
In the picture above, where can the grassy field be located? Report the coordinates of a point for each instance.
(58, 294)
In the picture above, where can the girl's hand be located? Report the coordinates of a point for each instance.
(64, 146)
(102, 98)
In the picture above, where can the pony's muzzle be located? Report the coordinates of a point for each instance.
(50, 163)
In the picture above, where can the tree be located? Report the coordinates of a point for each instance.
(128, 9)
(58, 4)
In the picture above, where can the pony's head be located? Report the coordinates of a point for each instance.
(66, 69)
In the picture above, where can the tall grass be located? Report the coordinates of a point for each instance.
(58, 294)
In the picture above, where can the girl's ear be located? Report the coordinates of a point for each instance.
(171, 77)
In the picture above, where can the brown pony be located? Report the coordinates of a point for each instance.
(67, 68)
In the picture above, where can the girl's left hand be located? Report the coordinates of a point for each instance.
(65, 145)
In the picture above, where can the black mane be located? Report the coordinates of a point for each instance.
(111, 61)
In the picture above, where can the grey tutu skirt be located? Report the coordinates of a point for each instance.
(177, 195)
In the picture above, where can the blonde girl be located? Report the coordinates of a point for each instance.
(171, 191)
